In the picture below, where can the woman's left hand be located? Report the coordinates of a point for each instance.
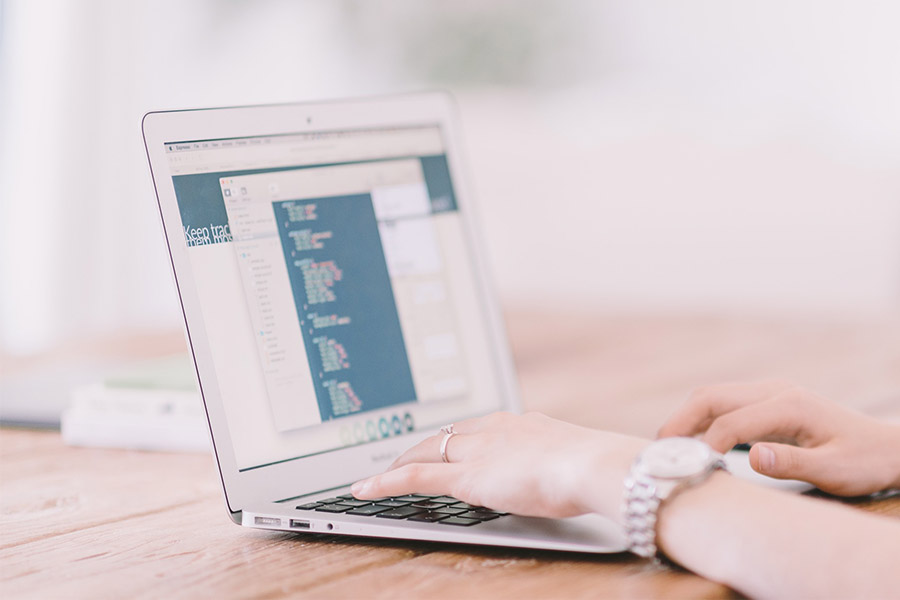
(528, 465)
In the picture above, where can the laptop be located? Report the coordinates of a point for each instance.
(338, 310)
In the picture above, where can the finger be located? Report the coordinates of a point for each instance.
(707, 403)
(429, 450)
(784, 461)
(417, 478)
(756, 422)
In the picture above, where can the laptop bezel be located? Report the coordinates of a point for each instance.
(340, 467)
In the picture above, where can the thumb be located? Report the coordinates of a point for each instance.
(783, 461)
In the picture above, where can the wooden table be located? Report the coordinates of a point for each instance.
(89, 523)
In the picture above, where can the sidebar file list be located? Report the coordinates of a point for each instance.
(276, 328)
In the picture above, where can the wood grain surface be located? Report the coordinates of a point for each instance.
(83, 523)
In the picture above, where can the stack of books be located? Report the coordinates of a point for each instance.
(153, 405)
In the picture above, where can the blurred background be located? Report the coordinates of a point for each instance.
(694, 157)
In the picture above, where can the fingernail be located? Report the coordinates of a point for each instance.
(766, 459)
(360, 487)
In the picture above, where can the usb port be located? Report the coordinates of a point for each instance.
(298, 524)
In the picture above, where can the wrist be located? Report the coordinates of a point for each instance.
(608, 466)
(674, 517)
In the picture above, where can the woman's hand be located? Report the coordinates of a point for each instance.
(529, 465)
(795, 435)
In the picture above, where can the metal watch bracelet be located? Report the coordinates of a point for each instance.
(641, 503)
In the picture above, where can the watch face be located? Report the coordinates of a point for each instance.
(676, 457)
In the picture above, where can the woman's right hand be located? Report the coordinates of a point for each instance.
(795, 435)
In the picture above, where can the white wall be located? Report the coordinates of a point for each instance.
(695, 155)
(722, 156)
(588, 205)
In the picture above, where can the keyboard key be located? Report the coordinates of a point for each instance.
(334, 508)
(309, 506)
(347, 497)
(394, 503)
(464, 505)
(329, 501)
(411, 498)
(449, 510)
(400, 513)
(368, 510)
(459, 521)
(481, 515)
(369, 500)
(429, 517)
(355, 503)
(445, 500)
(428, 504)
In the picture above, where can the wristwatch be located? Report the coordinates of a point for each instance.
(663, 469)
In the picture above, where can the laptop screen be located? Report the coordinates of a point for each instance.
(336, 286)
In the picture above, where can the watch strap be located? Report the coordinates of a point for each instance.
(641, 503)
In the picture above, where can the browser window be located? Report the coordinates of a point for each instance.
(337, 289)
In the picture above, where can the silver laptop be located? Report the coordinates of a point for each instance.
(338, 309)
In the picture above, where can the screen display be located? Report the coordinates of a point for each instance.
(336, 286)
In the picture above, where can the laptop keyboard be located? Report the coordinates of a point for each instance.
(413, 507)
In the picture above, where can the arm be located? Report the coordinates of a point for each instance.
(759, 541)
(766, 543)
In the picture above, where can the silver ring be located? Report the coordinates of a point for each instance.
(449, 432)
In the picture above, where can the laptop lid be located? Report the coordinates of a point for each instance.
(334, 290)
